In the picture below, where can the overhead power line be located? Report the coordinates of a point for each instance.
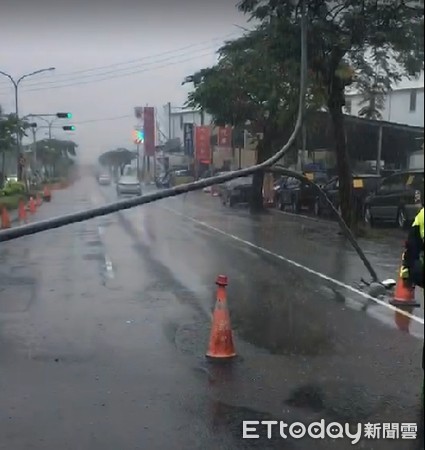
(115, 76)
(103, 119)
(118, 71)
(99, 70)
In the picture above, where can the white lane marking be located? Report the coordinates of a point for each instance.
(302, 216)
(109, 267)
(108, 262)
(298, 265)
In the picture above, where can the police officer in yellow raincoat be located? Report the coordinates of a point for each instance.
(413, 270)
(413, 259)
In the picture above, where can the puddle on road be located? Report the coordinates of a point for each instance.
(342, 402)
(275, 319)
(10, 280)
(93, 257)
(94, 243)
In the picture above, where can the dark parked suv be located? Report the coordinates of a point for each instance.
(397, 200)
(297, 194)
(363, 185)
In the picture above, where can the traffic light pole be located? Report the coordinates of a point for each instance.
(138, 161)
(34, 142)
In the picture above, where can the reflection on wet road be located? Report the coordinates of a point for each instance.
(102, 344)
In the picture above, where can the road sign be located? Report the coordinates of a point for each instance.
(188, 138)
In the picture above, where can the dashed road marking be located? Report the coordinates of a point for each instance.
(302, 216)
(108, 262)
(109, 267)
(295, 264)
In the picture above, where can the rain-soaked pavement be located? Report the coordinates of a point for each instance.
(104, 326)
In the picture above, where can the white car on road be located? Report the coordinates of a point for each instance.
(129, 185)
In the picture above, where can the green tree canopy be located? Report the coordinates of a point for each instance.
(369, 43)
(118, 157)
(249, 87)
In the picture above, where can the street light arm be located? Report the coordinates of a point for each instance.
(9, 76)
(38, 117)
(36, 72)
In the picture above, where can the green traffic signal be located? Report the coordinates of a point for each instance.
(63, 115)
(68, 127)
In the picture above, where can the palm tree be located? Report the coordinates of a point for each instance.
(373, 100)
(8, 137)
(7, 141)
(55, 155)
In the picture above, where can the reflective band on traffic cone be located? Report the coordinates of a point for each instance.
(32, 206)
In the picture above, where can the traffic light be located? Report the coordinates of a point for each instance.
(63, 115)
(138, 136)
(33, 125)
(68, 127)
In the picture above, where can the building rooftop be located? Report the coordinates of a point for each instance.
(405, 83)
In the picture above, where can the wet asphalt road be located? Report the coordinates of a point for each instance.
(104, 326)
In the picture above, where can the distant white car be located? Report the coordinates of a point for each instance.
(104, 179)
(129, 185)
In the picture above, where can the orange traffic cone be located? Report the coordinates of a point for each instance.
(221, 338)
(32, 205)
(5, 219)
(404, 295)
(47, 195)
(22, 213)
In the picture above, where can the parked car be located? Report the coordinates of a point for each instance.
(181, 177)
(298, 194)
(397, 200)
(129, 185)
(175, 177)
(363, 185)
(236, 191)
(104, 179)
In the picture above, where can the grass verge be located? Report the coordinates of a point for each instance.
(11, 201)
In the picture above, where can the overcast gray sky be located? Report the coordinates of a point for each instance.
(149, 47)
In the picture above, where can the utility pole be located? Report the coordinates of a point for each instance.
(169, 121)
(16, 84)
(138, 161)
(34, 143)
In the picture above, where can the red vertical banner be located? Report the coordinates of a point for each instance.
(149, 130)
(224, 137)
(203, 144)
